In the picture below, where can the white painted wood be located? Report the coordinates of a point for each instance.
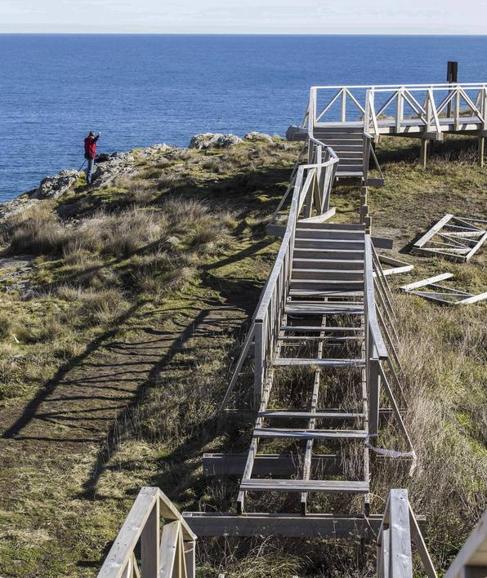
(425, 282)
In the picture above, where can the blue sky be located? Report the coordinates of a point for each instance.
(246, 16)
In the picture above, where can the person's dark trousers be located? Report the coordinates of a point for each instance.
(90, 169)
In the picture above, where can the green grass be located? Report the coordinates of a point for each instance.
(111, 368)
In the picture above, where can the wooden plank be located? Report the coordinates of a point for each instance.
(324, 434)
(265, 464)
(317, 328)
(371, 318)
(320, 218)
(328, 486)
(324, 309)
(169, 543)
(473, 299)
(476, 247)
(149, 544)
(425, 282)
(275, 413)
(123, 547)
(383, 242)
(401, 559)
(431, 232)
(312, 362)
(286, 525)
(421, 546)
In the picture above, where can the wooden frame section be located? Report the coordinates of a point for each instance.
(455, 238)
(162, 554)
(441, 293)
(396, 267)
(286, 525)
(398, 530)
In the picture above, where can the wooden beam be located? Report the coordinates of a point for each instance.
(425, 282)
(276, 464)
(401, 558)
(286, 525)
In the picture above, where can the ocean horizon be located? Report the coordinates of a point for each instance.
(143, 89)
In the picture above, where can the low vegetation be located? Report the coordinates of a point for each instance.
(116, 347)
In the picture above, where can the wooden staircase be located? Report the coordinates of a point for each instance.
(352, 147)
(322, 332)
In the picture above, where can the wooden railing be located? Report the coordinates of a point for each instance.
(163, 554)
(311, 195)
(432, 108)
(398, 531)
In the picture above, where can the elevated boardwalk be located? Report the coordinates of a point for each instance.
(326, 367)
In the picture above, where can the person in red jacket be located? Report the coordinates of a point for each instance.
(90, 154)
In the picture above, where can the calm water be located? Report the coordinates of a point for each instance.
(141, 90)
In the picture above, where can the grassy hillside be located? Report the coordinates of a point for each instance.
(122, 309)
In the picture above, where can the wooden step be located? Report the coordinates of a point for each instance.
(313, 328)
(327, 284)
(311, 434)
(314, 362)
(310, 243)
(284, 414)
(329, 486)
(320, 293)
(324, 309)
(328, 264)
(321, 252)
(314, 232)
(347, 274)
(331, 339)
(332, 226)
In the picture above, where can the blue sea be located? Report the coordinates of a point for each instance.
(140, 90)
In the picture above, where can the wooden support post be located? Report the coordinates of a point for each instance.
(374, 395)
(190, 555)
(424, 151)
(259, 357)
(481, 150)
(400, 561)
(150, 540)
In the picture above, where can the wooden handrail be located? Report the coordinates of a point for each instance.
(177, 546)
(370, 304)
(397, 533)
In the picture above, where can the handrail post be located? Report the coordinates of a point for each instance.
(344, 105)
(150, 541)
(259, 360)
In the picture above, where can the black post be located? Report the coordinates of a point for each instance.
(452, 72)
(451, 77)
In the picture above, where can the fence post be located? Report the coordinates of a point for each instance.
(149, 544)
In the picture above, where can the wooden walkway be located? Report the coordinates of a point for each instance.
(324, 347)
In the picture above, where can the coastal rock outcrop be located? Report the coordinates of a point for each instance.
(209, 140)
(255, 136)
(53, 187)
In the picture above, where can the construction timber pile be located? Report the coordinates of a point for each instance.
(323, 341)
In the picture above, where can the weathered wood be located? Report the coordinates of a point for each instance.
(275, 464)
(327, 486)
(425, 282)
(401, 562)
(169, 547)
(286, 525)
(294, 433)
(312, 362)
(473, 553)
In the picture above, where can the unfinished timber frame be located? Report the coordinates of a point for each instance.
(455, 238)
(430, 289)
